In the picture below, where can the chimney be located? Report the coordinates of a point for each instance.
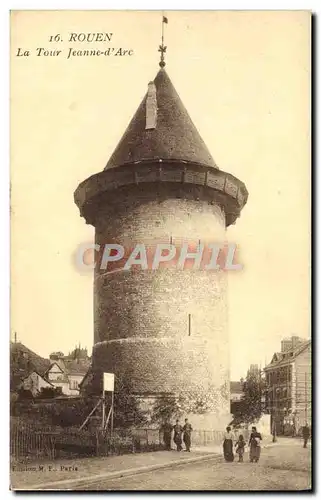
(55, 356)
(290, 343)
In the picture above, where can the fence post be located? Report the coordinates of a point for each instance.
(107, 444)
(97, 443)
(53, 449)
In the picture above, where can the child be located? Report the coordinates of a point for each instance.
(240, 445)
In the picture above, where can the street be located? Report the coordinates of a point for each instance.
(283, 466)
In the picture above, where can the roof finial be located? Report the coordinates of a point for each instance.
(162, 47)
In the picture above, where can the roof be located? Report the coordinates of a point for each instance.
(236, 387)
(71, 367)
(283, 358)
(23, 361)
(39, 364)
(175, 137)
(54, 363)
(77, 367)
(39, 375)
(87, 378)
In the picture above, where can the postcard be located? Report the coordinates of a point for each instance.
(160, 250)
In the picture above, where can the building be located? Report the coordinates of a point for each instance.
(236, 394)
(67, 372)
(289, 343)
(24, 362)
(236, 391)
(33, 373)
(254, 370)
(288, 379)
(164, 329)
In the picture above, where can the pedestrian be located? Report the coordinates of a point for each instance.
(305, 434)
(228, 445)
(178, 430)
(255, 445)
(187, 434)
(167, 434)
(240, 447)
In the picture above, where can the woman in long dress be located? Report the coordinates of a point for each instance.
(255, 445)
(228, 445)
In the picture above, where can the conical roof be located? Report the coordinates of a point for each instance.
(174, 137)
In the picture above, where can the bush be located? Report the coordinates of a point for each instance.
(73, 414)
(24, 394)
(49, 392)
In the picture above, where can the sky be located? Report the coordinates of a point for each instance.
(244, 78)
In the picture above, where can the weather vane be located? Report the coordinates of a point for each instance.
(162, 47)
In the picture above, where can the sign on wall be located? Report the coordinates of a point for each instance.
(109, 380)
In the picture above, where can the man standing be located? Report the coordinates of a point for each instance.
(187, 434)
(167, 434)
(178, 429)
(306, 435)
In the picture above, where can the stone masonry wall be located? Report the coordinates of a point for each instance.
(141, 316)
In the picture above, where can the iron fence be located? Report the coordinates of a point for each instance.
(30, 441)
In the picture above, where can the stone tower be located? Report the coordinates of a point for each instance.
(164, 329)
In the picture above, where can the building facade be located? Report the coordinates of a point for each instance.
(34, 373)
(67, 372)
(35, 382)
(289, 390)
(163, 329)
(236, 395)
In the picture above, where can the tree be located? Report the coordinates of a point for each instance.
(166, 407)
(250, 408)
(171, 406)
(127, 410)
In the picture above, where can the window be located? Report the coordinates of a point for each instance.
(74, 385)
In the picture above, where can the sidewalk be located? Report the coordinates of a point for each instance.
(64, 474)
(217, 449)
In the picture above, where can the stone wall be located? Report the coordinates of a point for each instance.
(142, 316)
